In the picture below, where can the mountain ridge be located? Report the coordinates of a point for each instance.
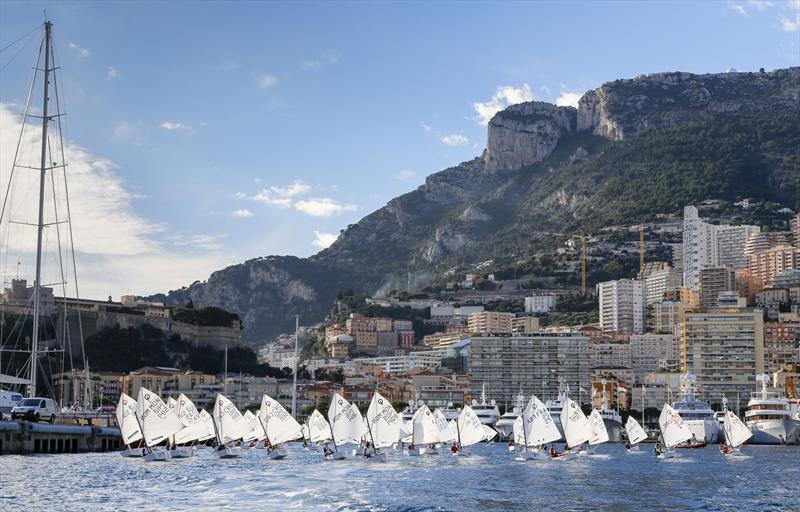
(555, 168)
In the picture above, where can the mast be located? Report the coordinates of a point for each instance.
(225, 374)
(330, 425)
(294, 372)
(369, 429)
(40, 227)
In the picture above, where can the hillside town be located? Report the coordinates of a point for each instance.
(725, 308)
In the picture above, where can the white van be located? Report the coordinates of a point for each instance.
(8, 399)
(35, 409)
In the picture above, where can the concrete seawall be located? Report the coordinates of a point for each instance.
(23, 437)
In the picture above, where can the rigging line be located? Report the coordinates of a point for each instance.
(38, 27)
(21, 131)
(21, 48)
(61, 129)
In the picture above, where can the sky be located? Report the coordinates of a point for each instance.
(204, 134)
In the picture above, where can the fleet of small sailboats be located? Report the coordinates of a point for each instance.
(158, 430)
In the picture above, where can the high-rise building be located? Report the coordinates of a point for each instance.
(699, 247)
(767, 264)
(730, 243)
(622, 307)
(666, 316)
(795, 223)
(490, 322)
(723, 348)
(781, 343)
(713, 281)
(710, 245)
(531, 363)
(658, 282)
(652, 352)
(677, 258)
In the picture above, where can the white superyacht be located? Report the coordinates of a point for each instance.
(697, 414)
(769, 418)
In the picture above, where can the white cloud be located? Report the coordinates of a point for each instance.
(112, 73)
(425, 127)
(323, 207)
(504, 96)
(169, 125)
(738, 8)
(545, 90)
(286, 197)
(454, 139)
(266, 81)
(83, 52)
(296, 188)
(323, 240)
(568, 99)
(208, 242)
(790, 25)
(117, 250)
(406, 174)
(242, 212)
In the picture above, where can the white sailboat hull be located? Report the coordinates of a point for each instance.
(157, 456)
(182, 452)
(338, 455)
(229, 452)
(132, 452)
(377, 457)
(535, 455)
(669, 454)
(279, 452)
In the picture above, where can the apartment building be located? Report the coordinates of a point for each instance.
(490, 322)
(713, 281)
(622, 307)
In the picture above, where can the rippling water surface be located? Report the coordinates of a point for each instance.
(767, 479)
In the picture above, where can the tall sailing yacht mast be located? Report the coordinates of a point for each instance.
(48, 27)
(51, 157)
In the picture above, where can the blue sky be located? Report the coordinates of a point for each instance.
(219, 132)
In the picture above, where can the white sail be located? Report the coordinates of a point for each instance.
(599, 430)
(383, 422)
(208, 423)
(470, 428)
(673, 428)
(279, 425)
(126, 419)
(255, 430)
(539, 424)
(345, 420)
(155, 419)
(445, 433)
(736, 432)
(424, 430)
(577, 429)
(519, 434)
(319, 429)
(636, 433)
(228, 421)
(488, 433)
(194, 429)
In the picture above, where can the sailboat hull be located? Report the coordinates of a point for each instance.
(339, 455)
(182, 452)
(228, 452)
(132, 452)
(278, 452)
(667, 455)
(533, 455)
(377, 457)
(157, 456)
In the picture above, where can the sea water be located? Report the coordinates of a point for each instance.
(766, 478)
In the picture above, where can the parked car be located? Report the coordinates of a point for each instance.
(8, 399)
(35, 409)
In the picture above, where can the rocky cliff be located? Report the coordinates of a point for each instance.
(526, 134)
(632, 149)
